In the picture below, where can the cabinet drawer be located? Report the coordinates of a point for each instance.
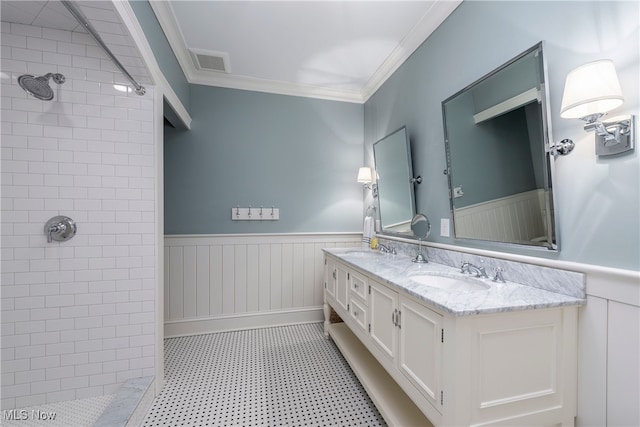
(359, 286)
(359, 313)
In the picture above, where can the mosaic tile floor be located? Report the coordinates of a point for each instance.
(283, 376)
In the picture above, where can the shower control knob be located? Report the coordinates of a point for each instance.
(60, 228)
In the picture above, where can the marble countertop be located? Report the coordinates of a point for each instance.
(396, 271)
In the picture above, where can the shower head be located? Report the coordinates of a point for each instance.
(39, 86)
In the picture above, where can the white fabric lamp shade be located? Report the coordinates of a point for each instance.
(364, 175)
(591, 89)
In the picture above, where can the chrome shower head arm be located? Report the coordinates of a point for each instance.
(57, 77)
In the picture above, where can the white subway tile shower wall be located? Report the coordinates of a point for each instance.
(77, 316)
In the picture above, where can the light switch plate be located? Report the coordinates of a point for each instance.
(444, 227)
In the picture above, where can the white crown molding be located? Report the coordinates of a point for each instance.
(130, 21)
(167, 20)
(431, 20)
(271, 86)
(418, 34)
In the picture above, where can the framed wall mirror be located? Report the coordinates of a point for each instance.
(497, 131)
(396, 202)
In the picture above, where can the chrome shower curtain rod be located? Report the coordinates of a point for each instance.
(82, 19)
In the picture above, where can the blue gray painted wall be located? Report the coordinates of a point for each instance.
(300, 155)
(162, 50)
(599, 200)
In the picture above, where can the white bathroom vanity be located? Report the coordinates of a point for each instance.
(430, 344)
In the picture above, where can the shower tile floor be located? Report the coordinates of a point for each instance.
(282, 376)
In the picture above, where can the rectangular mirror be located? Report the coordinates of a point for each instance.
(396, 202)
(500, 174)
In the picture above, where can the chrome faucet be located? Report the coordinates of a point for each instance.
(499, 277)
(387, 249)
(469, 268)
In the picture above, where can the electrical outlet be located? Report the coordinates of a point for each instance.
(444, 227)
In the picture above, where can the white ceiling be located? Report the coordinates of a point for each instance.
(328, 49)
(49, 14)
(341, 50)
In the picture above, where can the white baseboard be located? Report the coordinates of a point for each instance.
(181, 328)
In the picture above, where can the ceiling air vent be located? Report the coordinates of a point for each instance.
(210, 61)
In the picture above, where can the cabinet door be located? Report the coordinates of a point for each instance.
(342, 285)
(383, 306)
(420, 347)
(330, 277)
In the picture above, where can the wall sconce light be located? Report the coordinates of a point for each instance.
(590, 91)
(365, 177)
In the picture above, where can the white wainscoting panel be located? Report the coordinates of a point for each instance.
(623, 367)
(609, 350)
(508, 218)
(223, 282)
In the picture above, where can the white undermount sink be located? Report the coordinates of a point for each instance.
(361, 253)
(450, 283)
